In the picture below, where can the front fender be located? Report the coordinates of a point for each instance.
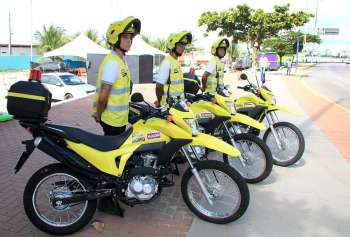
(244, 119)
(282, 108)
(215, 144)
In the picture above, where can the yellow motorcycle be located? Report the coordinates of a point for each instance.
(216, 117)
(132, 168)
(284, 139)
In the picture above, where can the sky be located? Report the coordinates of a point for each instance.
(159, 17)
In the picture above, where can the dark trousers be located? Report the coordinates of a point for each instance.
(110, 130)
(263, 78)
(106, 204)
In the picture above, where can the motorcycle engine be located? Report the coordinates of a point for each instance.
(149, 159)
(142, 188)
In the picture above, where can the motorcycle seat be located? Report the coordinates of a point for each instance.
(101, 143)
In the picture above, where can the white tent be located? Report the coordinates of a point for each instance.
(140, 47)
(80, 47)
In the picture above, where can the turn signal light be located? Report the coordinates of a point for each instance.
(169, 118)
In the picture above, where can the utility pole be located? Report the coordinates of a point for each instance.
(10, 33)
(315, 28)
(316, 15)
(31, 30)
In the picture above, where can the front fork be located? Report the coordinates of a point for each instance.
(197, 176)
(271, 120)
(233, 142)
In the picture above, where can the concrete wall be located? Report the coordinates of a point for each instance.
(141, 68)
(16, 51)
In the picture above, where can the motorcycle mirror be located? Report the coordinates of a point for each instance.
(137, 97)
(243, 77)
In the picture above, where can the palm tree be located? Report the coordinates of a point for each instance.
(192, 47)
(69, 38)
(50, 38)
(93, 35)
(159, 44)
(146, 38)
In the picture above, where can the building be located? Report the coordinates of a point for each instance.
(17, 50)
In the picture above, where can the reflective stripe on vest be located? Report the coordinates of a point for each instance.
(116, 91)
(114, 107)
(215, 79)
(117, 108)
(175, 85)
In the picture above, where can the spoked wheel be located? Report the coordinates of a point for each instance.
(227, 190)
(255, 163)
(49, 214)
(292, 143)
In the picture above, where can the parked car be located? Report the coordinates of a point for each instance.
(65, 85)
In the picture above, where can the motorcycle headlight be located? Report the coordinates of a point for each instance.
(226, 92)
(193, 125)
(232, 107)
(273, 99)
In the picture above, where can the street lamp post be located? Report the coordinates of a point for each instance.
(31, 30)
(10, 36)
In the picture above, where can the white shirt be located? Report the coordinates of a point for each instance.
(163, 73)
(111, 71)
(211, 67)
(264, 62)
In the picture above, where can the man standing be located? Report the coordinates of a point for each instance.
(289, 67)
(213, 77)
(170, 83)
(263, 66)
(111, 100)
(113, 86)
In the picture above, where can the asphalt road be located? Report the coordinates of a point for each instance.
(332, 81)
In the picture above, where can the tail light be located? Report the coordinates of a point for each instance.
(35, 75)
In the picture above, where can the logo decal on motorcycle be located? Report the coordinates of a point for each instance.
(153, 135)
(249, 104)
(138, 139)
(205, 115)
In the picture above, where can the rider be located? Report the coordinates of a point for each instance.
(169, 82)
(113, 86)
(213, 77)
(111, 100)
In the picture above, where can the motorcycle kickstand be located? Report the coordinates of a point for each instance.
(176, 171)
(118, 209)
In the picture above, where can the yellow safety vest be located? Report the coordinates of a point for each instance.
(117, 109)
(215, 79)
(175, 84)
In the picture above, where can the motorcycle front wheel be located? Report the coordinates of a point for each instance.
(292, 142)
(255, 163)
(227, 190)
